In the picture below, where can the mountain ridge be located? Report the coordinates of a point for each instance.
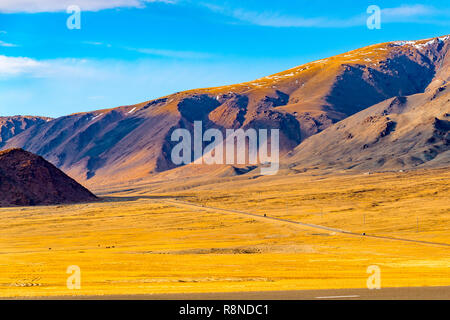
(13, 125)
(133, 142)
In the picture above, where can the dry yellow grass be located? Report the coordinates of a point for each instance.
(414, 205)
(139, 242)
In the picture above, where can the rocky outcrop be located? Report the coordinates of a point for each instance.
(27, 180)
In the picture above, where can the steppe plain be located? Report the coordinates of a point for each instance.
(234, 234)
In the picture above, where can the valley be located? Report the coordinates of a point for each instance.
(138, 240)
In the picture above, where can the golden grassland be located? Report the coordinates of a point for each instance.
(414, 205)
(139, 241)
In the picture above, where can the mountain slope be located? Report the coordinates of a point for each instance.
(12, 126)
(131, 142)
(400, 133)
(27, 179)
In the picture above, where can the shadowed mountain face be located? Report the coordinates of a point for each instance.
(399, 133)
(27, 179)
(12, 126)
(132, 142)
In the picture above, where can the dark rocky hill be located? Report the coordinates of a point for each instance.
(27, 179)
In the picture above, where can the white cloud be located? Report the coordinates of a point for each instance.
(177, 54)
(34, 6)
(28, 67)
(10, 66)
(272, 19)
(97, 44)
(409, 11)
(173, 53)
(412, 13)
(13, 67)
(6, 44)
(93, 43)
(276, 19)
(62, 86)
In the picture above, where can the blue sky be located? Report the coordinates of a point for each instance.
(129, 51)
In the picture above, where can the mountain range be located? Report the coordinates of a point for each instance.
(382, 107)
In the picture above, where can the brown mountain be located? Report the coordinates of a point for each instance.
(403, 132)
(12, 126)
(27, 179)
(400, 133)
(132, 142)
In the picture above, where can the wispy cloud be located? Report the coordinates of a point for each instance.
(4, 43)
(173, 53)
(93, 43)
(177, 54)
(409, 11)
(13, 66)
(56, 87)
(34, 6)
(7, 44)
(97, 43)
(277, 19)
